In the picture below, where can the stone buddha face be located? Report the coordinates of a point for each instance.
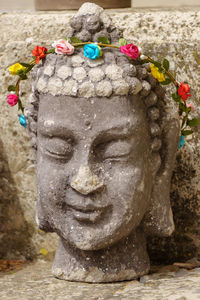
(105, 149)
(94, 167)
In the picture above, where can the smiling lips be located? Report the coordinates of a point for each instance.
(89, 213)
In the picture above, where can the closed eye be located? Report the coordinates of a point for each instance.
(58, 148)
(114, 149)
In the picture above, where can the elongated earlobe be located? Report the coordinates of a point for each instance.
(159, 218)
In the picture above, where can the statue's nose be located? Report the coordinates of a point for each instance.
(85, 181)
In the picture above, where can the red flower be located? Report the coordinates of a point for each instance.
(130, 50)
(39, 52)
(184, 90)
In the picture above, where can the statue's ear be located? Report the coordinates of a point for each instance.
(159, 218)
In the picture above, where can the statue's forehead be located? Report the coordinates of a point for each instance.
(98, 114)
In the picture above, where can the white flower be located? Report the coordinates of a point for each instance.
(63, 47)
(143, 56)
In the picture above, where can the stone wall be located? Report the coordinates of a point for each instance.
(170, 33)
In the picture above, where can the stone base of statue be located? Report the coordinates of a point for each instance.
(126, 260)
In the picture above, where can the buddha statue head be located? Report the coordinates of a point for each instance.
(105, 145)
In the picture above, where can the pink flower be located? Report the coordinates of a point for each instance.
(63, 47)
(190, 105)
(12, 99)
(130, 50)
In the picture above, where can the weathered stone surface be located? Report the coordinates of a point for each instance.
(50, 69)
(54, 86)
(36, 282)
(86, 90)
(70, 87)
(63, 72)
(77, 60)
(15, 234)
(85, 182)
(96, 74)
(168, 33)
(79, 74)
(121, 87)
(113, 72)
(104, 88)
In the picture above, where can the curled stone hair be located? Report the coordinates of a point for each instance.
(112, 75)
(91, 22)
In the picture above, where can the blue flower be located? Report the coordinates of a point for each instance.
(22, 120)
(92, 51)
(181, 142)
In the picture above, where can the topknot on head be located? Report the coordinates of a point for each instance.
(91, 22)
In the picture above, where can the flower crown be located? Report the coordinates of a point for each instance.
(159, 70)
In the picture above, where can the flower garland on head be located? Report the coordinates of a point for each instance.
(159, 70)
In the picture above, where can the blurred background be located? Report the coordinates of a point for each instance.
(29, 4)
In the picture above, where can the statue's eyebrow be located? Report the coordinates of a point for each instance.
(123, 130)
(50, 128)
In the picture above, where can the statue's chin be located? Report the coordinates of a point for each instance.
(90, 244)
(97, 240)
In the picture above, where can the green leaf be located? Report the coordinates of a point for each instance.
(122, 42)
(23, 76)
(78, 47)
(28, 69)
(186, 132)
(176, 97)
(20, 106)
(25, 65)
(11, 88)
(166, 82)
(193, 122)
(31, 67)
(103, 40)
(50, 51)
(20, 72)
(75, 40)
(157, 64)
(182, 107)
(166, 64)
(144, 61)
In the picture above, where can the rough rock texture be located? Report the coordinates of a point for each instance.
(36, 282)
(13, 226)
(160, 33)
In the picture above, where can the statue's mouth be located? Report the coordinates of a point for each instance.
(87, 213)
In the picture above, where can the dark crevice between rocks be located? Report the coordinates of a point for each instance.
(15, 232)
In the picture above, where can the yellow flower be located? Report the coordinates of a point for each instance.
(156, 74)
(16, 68)
(43, 251)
